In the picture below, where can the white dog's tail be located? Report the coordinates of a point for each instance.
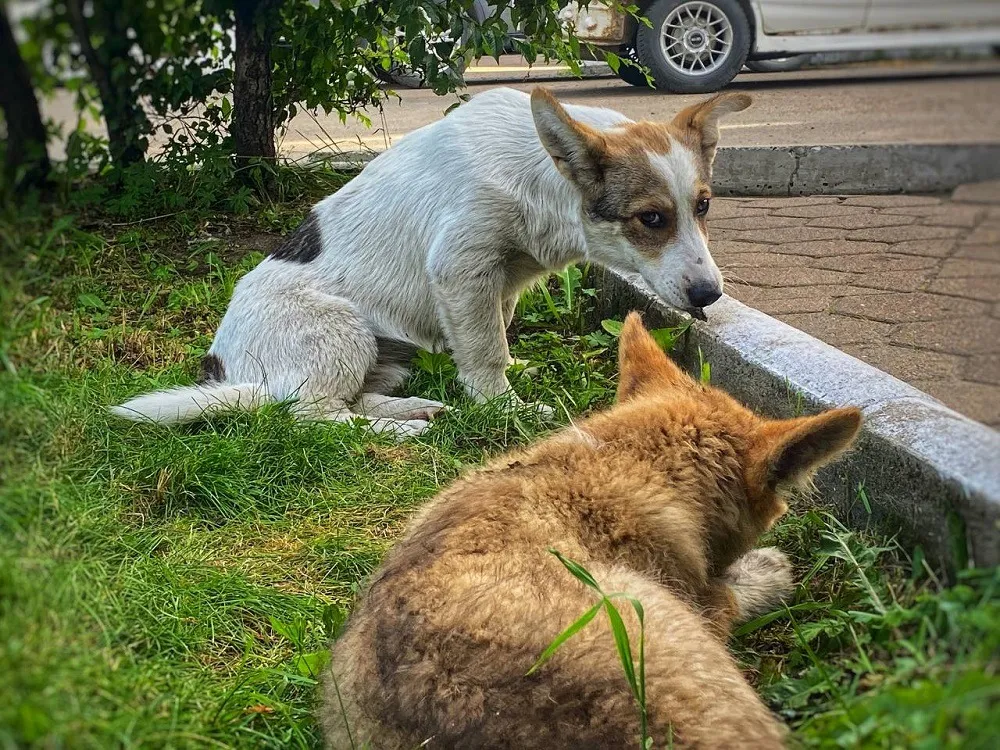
(190, 403)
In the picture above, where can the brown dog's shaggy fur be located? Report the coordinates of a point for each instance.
(662, 497)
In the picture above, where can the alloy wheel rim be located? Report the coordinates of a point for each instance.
(696, 38)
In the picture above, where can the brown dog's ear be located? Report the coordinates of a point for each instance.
(643, 364)
(788, 452)
(575, 148)
(699, 123)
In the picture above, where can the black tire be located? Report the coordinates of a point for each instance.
(780, 65)
(631, 75)
(669, 78)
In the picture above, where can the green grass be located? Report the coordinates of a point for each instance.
(178, 587)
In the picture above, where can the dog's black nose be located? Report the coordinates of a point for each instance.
(704, 293)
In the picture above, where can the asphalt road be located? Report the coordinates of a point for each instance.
(896, 102)
(899, 102)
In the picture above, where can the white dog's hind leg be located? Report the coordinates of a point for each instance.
(335, 410)
(390, 407)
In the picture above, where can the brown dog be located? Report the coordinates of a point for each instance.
(662, 497)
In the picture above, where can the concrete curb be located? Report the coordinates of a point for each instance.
(824, 170)
(835, 170)
(932, 475)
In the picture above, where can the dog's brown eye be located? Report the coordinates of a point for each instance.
(702, 207)
(652, 219)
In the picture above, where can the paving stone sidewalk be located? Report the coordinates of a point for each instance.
(907, 283)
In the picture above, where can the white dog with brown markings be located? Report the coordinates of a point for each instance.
(431, 245)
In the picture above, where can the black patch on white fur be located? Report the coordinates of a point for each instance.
(395, 352)
(212, 369)
(303, 245)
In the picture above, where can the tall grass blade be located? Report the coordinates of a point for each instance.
(578, 571)
(581, 622)
(620, 634)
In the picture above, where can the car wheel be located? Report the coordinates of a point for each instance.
(779, 65)
(631, 75)
(694, 46)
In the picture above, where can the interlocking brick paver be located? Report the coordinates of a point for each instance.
(984, 288)
(894, 281)
(983, 368)
(946, 215)
(873, 263)
(908, 364)
(885, 201)
(730, 209)
(783, 235)
(983, 235)
(910, 284)
(823, 209)
(963, 268)
(939, 248)
(808, 200)
(792, 276)
(728, 247)
(790, 305)
(837, 329)
(979, 252)
(899, 234)
(757, 222)
(825, 248)
(760, 260)
(965, 336)
(862, 221)
(895, 307)
(980, 192)
(979, 399)
(763, 297)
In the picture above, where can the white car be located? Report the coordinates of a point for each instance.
(697, 46)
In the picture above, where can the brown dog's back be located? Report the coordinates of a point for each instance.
(657, 498)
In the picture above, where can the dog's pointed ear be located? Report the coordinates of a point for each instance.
(575, 148)
(699, 123)
(788, 452)
(642, 363)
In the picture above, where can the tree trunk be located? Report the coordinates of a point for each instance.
(253, 104)
(123, 115)
(25, 130)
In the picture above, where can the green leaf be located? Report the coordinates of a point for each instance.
(614, 327)
(759, 622)
(667, 337)
(91, 302)
(574, 628)
(311, 664)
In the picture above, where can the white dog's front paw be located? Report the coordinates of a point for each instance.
(760, 581)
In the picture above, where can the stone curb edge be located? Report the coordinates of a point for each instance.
(931, 475)
(822, 170)
(868, 169)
